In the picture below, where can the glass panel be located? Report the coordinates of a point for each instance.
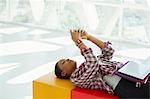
(126, 19)
(137, 2)
(107, 1)
(108, 18)
(69, 15)
(23, 12)
(136, 25)
(3, 10)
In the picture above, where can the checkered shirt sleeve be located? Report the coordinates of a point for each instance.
(105, 57)
(107, 52)
(86, 75)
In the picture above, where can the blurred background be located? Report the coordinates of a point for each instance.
(34, 34)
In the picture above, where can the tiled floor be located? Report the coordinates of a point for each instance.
(26, 54)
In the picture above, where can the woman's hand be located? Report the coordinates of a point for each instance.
(83, 34)
(74, 35)
(76, 38)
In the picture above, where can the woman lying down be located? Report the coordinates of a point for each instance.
(98, 72)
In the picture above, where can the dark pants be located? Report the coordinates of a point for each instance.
(127, 89)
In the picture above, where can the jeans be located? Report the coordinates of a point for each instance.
(127, 89)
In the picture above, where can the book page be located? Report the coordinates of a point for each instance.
(135, 69)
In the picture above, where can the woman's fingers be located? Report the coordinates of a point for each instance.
(74, 35)
(71, 31)
(75, 30)
(78, 30)
(78, 33)
(83, 34)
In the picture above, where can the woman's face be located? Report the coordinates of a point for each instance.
(67, 66)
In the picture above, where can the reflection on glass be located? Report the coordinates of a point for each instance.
(23, 12)
(135, 26)
(123, 19)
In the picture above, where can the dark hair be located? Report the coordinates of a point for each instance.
(58, 72)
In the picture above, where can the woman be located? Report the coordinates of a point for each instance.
(97, 72)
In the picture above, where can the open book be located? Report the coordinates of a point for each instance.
(134, 71)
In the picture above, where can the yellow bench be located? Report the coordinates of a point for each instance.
(50, 87)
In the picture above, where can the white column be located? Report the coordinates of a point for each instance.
(129, 1)
(13, 9)
(112, 20)
(37, 7)
(91, 15)
(148, 2)
(53, 20)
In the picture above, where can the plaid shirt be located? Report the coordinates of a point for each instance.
(90, 73)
